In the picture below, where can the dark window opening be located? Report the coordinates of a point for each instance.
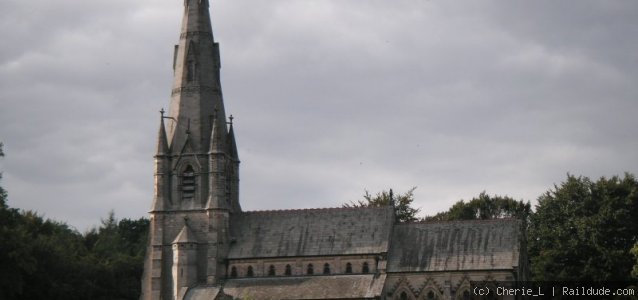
(348, 268)
(233, 272)
(271, 270)
(288, 270)
(431, 295)
(188, 184)
(250, 273)
(309, 270)
(365, 269)
(326, 269)
(466, 295)
(403, 296)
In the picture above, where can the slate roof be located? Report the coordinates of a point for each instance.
(310, 232)
(202, 293)
(308, 287)
(455, 245)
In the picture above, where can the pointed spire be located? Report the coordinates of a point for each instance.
(217, 136)
(196, 17)
(232, 145)
(196, 84)
(162, 141)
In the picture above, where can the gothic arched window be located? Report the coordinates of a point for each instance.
(310, 270)
(250, 272)
(431, 295)
(233, 272)
(326, 269)
(188, 183)
(403, 296)
(365, 269)
(288, 270)
(348, 268)
(271, 270)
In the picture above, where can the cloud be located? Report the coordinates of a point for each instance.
(330, 98)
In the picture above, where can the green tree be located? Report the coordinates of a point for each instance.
(401, 202)
(485, 207)
(584, 230)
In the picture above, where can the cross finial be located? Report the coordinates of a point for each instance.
(162, 112)
(231, 119)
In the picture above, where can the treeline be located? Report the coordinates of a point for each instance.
(45, 259)
(579, 230)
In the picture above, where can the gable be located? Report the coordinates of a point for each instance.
(310, 232)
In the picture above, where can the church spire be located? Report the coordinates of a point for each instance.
(196, 84)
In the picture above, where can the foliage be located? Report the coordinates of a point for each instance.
(3, 193)
(485, 207)
(402, 203)
(634, 252)
(43, 259)
(583, 230)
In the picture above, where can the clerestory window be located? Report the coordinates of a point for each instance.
(249, 272)
(288, 271)
(365, 269)
(326, 269)
(271, 270)
(310, 270)
(348, 268)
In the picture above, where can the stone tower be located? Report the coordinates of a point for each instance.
(196, 170)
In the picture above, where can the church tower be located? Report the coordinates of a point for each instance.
(196, 170)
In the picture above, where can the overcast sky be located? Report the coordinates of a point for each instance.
(331, 98)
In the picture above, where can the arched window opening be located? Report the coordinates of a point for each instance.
(431, 296)
(403, 296)
(271, 270)
(348, 268)
(188, 183)
(465, 295)
(365, 269)
(233, 272)
(249, 272)
(326, 269)
(288, 270)
(310, 270)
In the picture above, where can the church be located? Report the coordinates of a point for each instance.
(203, 246)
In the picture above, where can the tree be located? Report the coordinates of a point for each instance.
(634, 252)
(401, 202)
(584, 230)
(486, 207)
(3, 193)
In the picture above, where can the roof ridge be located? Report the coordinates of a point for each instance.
(462, 221)
(321, 209)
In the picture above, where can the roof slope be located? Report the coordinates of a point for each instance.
(309, 287)
(309, 232)
(455, 245)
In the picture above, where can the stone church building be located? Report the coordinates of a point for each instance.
(202, 246)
